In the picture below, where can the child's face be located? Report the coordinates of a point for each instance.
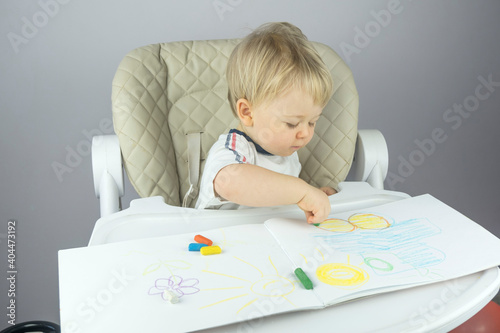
(285, 124)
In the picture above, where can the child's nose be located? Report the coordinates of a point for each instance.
(304, 132)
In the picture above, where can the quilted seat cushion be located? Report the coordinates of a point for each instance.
(162, 92)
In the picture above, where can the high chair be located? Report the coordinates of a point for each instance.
(169, 104)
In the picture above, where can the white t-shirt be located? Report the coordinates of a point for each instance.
(233, 148)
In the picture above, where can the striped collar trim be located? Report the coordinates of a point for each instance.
(249, 139)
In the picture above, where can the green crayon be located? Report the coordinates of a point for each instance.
(306, 282)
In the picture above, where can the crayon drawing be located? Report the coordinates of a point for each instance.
(356, 221)
(176, 284)
(342, 275)
(263, 283)
(338, 274)
(386, 246)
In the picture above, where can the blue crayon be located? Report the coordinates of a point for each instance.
(196, 246)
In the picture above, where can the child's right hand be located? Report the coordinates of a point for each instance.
(315, 204)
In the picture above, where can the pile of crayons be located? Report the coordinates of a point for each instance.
(204, 245)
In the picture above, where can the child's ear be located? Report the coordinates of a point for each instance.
(244, 110)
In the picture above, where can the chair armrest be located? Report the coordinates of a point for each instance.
(108, 172)
(371, 158)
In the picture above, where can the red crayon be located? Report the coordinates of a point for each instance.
(204, 240)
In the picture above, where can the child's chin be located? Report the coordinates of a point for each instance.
(286, 154)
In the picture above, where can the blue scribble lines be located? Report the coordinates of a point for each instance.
(397, 248)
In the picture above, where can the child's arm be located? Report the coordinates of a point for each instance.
(251, 185)
(328, 190)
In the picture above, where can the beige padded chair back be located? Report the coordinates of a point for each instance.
(162, 92)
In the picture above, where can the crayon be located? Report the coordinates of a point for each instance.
(208, 250)
(204, 240)
(170, 296)
(196, 246)
(306, 282)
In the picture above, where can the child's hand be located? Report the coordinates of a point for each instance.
(328, 190)
(315, 204)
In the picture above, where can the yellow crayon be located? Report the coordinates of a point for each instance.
(208, 250)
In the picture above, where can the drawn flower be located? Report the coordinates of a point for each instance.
(176, 284)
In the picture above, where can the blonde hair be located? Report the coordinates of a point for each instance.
(273, 59)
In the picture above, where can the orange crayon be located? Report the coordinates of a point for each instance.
(204, 240)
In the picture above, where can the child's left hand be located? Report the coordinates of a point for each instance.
(328, 190)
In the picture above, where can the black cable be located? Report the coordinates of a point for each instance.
(33, 326)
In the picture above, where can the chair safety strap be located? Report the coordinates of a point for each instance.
(194, 152)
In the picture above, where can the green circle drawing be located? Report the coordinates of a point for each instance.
(379, 264)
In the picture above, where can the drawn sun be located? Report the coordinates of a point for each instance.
(356, 221)
(266, 285)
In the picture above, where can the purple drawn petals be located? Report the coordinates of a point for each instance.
(175, 284)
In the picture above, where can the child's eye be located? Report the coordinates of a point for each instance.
(292, 126)
(312, 124)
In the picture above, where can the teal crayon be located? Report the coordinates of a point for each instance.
(306, 282)
(196, 246)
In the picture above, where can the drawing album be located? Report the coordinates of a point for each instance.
(128, 286)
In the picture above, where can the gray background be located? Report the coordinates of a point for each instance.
(55, 88)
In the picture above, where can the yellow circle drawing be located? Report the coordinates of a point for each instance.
(342, 275)
(369, 221)
(337, 225)
(273, 286)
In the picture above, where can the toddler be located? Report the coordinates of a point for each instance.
(278, 86)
